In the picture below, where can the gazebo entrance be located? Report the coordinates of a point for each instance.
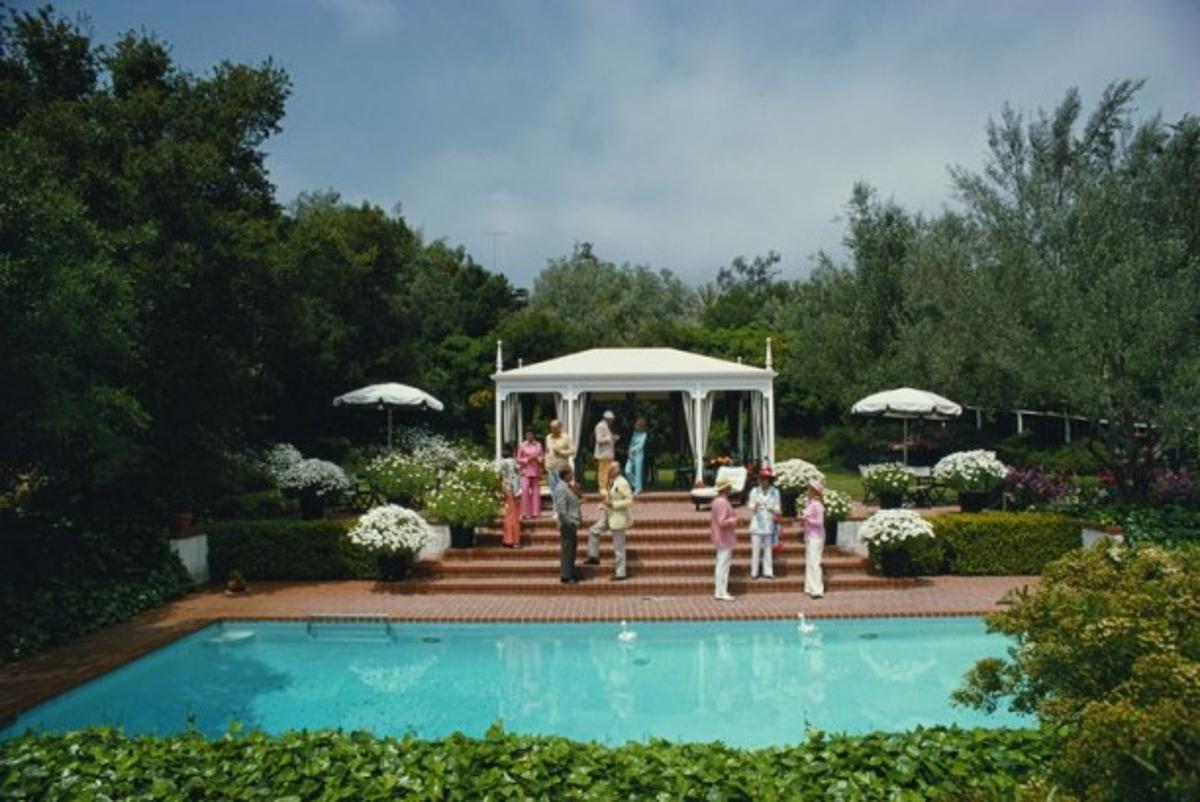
(693, 382)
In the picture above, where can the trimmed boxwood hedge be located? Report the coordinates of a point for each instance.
(283, 548)
(1004, 543)
(925, 764)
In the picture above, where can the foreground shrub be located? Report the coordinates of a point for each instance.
(287, 549)
(62, 578)
(1108, 651)
(1004, 543)
(925, 764)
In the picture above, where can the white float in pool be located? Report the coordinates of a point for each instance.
(233, 636)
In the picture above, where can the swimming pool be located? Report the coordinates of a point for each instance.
(745, 683)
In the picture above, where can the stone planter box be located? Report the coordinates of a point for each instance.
(193, 553)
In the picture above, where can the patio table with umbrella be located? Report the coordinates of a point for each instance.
(907, 403)
(389, 395)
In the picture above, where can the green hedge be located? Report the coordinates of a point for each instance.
(278, 548)
(270, 503)
(925, 764)
(1004, 543)
(62, 578)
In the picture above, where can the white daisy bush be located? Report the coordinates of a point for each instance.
(886, 478)
(837, 505)
(281, 457)
(459, 502)
(891, 527)
(390, 529)
(971, 471)
(796, 474)
(430, 448)
(317, 476)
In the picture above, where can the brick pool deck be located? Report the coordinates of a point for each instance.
(29, 682)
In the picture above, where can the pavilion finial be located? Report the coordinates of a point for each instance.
(499, 356)
(769, 360)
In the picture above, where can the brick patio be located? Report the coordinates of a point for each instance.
(28, 682)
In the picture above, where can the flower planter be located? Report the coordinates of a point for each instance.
(891, 501)
(831, 527)
(312, 506)
(181, 522)
(395, 566)
(787, 503)
(896, 562)
(462, 537)
(972, 502)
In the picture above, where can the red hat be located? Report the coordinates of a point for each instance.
(765, 471)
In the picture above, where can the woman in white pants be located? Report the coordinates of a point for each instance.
(814, 540)
(724, 536)
(765, 509)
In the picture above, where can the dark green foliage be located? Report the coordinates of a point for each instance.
(286, 548)
(1004, 543)
(60, 579)
(1107, 654)
(1163, 526)
(925, 764)
(259, 504)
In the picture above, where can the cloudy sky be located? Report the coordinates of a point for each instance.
(676, 134)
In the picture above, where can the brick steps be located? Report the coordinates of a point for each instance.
(839, 566)
(597, 582)
(645, 549)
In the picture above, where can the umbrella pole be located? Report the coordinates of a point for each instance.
(389, 428)
(904, 447)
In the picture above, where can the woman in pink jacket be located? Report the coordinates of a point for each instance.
(724, 535)
(814, 540)
(529, 460)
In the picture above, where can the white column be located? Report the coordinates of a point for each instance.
(697, 447)
(1020, 423)
(499, 422)
(770, 445)
(1066, 428)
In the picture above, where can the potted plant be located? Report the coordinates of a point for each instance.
(315, 482)
(793, 477)
(402, 478)
(463, 506)
(888, 481)
(974, 474)
(892, 537)
(837, 508)
(394, 535)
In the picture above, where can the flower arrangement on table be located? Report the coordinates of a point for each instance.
(401, 477)
(886, 480)
(795, 475)
(975, 471)
(459, 503)
(394, 535)
(901, 543)
(837, 505)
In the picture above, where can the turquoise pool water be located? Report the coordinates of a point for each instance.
(746, 683)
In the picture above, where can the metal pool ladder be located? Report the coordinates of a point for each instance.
(349, 618)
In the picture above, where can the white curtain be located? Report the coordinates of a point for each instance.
(578, 404)
(689, 417)
(758, 424)
(510, 417)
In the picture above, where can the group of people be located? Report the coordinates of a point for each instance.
(520, 478)
(765, 529)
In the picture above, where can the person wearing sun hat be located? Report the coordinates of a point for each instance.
(606, 448)
(724, 536)
(765, 506)
(814, 539)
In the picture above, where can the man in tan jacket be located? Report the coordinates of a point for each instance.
(606, 448)
(616, 517)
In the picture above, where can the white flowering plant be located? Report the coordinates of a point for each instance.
(886, 479)
(401, 477)
(457, 502)
(975, 471)
(795, 475)
(280, 458)
(390, 529)
(314, 476)
(837, 505)
(432, 449)
(892, 527)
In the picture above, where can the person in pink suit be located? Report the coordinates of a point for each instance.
(814, 540)
(529, 460)
(724, 535)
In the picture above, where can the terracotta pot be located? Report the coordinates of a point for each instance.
(181, 523)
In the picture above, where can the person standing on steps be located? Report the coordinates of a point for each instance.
(606, 449)
(510, 486)
(566, 507)
(765, 507)
(814, 540)
(634, 462)
(616, 517)
(558, 454)
(723, 524)
(529, 459)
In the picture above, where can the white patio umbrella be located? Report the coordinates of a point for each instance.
(908, 404)
(389, 395)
